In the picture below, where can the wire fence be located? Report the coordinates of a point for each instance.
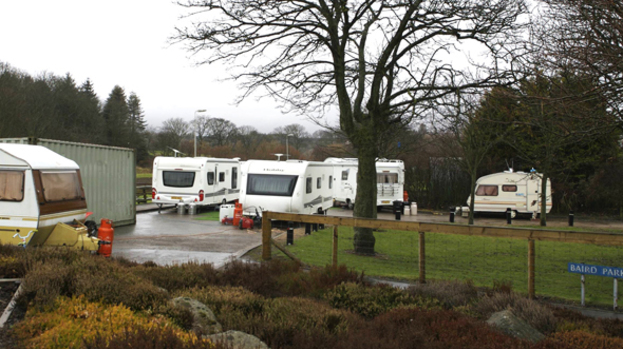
(488, 256)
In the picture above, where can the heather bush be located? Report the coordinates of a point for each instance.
(279, 278)
(537, 315)
(414, 328)
(370, 301)
(450, 294)
(177, 277)
(569, 320)
(585, 340)
(72, 321)
(97, 278)
(277, 321)
(150, 338)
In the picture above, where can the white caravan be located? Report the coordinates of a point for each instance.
(519, 191)
(293, 186)
(202, 181)
(390, 180)
(42, 199)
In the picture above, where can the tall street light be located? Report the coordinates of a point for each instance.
(287, 148)
(196, 135)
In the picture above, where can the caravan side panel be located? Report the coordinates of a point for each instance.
(108, 176)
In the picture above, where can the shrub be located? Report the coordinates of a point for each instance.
(414, 328)
(570, 320)
(178, 277)
(97, 278)
(370, 301)
(150, 338)
(450, 294)
(72, 321)
(276, 321)
(538, 316)
(585, 340)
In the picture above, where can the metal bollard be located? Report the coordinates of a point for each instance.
(452, 210)
(307, 229)
(571, 217)
(508, 215)
(290, 236)
(315, 227)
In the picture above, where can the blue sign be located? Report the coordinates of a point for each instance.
(598, 270)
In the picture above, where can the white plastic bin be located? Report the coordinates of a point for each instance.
(226, 210)
(414, 208)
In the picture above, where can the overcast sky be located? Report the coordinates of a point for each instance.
(124, 42)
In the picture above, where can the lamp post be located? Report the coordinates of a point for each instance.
(195, 133)
(287, 148)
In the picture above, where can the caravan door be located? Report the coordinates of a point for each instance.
(533, 187)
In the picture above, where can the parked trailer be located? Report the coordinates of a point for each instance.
(389, 185)
(108, 175)
(293, 186)
(519, 191)
(42, 201)
(202, 181)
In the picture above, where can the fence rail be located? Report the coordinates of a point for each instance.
(528, 234)
(143, 194)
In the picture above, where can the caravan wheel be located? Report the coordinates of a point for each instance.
(224, 202)
(513, 214)
(350, 204)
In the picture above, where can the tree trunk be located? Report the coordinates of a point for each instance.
(544, 200)
(472, 199)
(365, 201)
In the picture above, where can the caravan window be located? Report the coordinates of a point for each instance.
(330, 182)
(61, 186)
(308, 185)
(210, 178)
(387, 178)
(178, 179)
(273, 185)
(234, 178)
(487, 190)
(221, 176)
(318, 183)
(511, 188)
(345, 175)
(11, 185)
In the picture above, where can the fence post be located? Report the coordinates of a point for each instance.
(530, 268)
(335, 246)
(266, 232)
(422, 259)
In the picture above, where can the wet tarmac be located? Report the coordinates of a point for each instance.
(168, 238)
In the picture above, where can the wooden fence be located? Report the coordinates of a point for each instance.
(529, 234)
(143, 194)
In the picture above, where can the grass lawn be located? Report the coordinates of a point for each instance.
(143, 175)
(208, 216)
(483, 260)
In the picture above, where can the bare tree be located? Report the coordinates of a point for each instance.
(298, 132)
(200, 126)
(172, 132)
(585, 36)
(378, 62)
(221, 131)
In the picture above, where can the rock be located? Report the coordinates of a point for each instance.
(204, 321)
(238, 340)
(513, 326)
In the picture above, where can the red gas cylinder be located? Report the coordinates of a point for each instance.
(105, 233)
(405, 196)
(237, 214)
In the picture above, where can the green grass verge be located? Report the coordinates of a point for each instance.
(480, 259)
(208, 216)
(143, 175)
